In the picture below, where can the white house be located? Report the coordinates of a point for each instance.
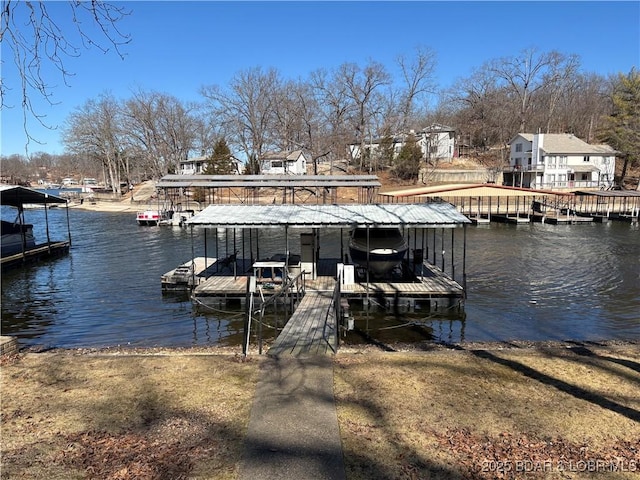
(436, 141)
(558, 161)
(197, 165)
(284, 163)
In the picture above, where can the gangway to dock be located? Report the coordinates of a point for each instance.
(311, 329)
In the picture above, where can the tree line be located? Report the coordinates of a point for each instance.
(147, 135)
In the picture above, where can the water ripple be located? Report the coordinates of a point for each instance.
(533, 282)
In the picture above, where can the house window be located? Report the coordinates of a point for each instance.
(562, 161)
(585, 158)
(552, 160)
(518, 147)
(551, 179)
(276, 164)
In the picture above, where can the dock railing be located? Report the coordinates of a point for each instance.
(292, 289)
(334, 311)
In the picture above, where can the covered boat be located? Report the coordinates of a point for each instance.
(16, 237)
(377, 249)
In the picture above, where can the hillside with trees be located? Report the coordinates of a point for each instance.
(145, 136)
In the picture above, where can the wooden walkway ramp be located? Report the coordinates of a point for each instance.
(304, 333)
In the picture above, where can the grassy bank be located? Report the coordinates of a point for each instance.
(545, 411)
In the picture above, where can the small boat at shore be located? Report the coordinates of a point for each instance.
(377, 249)
(151, 218)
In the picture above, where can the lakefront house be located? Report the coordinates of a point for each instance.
(284, 163)
(198, 165)
(437, 142)
(557, 161)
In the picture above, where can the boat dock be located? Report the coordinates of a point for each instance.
(24, 250)
(431, 287)
(483, 203)
(304, 284)
(36, 254)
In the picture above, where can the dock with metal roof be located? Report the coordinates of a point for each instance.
(418, 280)
(508, 204)
(277, 189)
(18, 197)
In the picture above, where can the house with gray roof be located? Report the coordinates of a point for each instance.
(284, 163)
(558, 161)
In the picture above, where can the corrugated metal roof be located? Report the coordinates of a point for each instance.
(15, 196)
(268, 181)
(610, 193)
(333, 216)
(468, 190)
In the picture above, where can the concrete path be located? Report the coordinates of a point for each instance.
(293, 430)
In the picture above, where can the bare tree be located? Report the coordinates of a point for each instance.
(580, 109)
(562, 72)
(361, 87)
(161, 131)
(95, 129)
(16, 169)
(31, 31)
(524, 75)
(288, 126)
(417, 75)
(483, 111)
(333, 102)
(246, 109)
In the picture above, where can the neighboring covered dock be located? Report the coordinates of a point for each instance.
(20, 197)
(608, 204)
(305, 271)
(480, 202)
(274, 189)
(483, 203)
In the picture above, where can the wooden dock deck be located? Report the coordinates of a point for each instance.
(430, 283)
(305, 332)
(35, 254)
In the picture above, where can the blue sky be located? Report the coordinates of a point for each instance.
(177, 47)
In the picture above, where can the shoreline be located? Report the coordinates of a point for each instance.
(415, 348)
(111, 207)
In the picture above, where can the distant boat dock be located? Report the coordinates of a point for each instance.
(19, 247)
(484, 203)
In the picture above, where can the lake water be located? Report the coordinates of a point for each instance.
(526, 282)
